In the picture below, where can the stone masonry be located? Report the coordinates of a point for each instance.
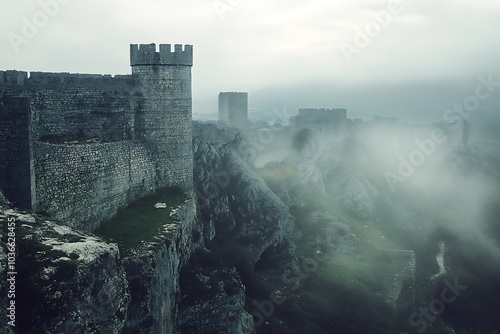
(79, 147)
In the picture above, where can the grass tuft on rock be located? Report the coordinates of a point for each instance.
(141, 222)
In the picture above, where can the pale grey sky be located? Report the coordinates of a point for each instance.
(250, 44)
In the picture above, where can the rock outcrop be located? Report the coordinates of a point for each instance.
(213, 298)
(67, 281)
(399, 285)
(234, 200)
(226, 245)
(247, 232)
(153, 271)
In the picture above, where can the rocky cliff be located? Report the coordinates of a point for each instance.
(153, 270)
(188, 279)
(243, 222)
(66, 281)
(315, 237)
(234, 200)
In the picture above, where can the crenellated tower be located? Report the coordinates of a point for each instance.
(81, 146)
(164, 120)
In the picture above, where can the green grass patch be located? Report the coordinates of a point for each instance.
(365, 271)
(141, 222)
(370, 233)
(282, 171)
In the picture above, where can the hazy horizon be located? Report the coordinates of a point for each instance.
(126, 209)
(252, 45)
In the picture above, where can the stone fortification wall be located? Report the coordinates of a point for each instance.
(85, 184)
(73, 106)
(16, 176)
(91, 144)
(164, 79)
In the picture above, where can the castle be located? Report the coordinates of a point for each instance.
(326, 119)
(233, 109)
(79, 147)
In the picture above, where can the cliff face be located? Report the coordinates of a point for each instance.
(153, 271)
(224, 248)
(242, 222)
(67, 281)
(195, 282)
(190, 279)
(234, 201)
(213, 298)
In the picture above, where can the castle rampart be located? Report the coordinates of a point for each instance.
(69, 105)
(96, 142)
(146, 54)
(19, 80)
(85, 184)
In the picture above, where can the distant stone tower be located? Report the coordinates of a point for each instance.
(164, 120)
(233, 109)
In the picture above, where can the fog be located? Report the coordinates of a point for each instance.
(423, 185)
(251, 45)
(286, 53)
(415, 61)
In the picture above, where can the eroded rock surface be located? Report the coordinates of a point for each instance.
(234, 200)
(67, 281)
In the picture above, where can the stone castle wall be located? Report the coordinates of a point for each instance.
(95, 143)
(85, 184)
(169, 134)
(69, 105)
(16, 160)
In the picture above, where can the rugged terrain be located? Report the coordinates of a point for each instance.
(313, 242)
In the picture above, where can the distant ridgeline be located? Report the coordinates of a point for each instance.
(79, 147)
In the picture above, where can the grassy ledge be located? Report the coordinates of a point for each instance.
(141, 222)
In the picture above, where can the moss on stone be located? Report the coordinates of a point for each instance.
(141, 222)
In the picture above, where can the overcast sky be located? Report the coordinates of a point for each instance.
(250, 44)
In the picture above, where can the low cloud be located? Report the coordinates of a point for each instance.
(259, 43)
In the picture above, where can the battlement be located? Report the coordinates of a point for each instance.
(312, 111)
(17, 82)
(146, 54)
(58, 80)
(13, 78)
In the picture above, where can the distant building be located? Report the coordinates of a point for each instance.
(321, 118)
(233, 109)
